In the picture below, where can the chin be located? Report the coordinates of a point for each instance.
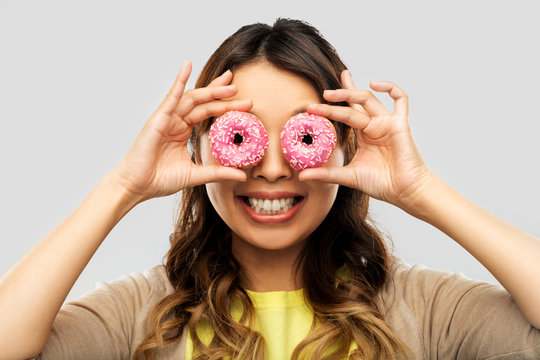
(271, 241)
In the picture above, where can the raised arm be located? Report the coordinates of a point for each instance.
(387, 166)
(157, 164)
(510, 254)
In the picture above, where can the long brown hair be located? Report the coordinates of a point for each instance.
(206, 276)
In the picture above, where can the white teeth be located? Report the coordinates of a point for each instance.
(267, 206)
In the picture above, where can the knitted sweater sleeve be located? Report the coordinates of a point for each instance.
(109, 321)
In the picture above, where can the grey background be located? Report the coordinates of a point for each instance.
(79, 79)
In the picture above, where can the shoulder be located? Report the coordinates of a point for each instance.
(153, 280)
(150, 287)
(423, 279)
(110, 320)
(423, 289)
(136, 288)
(440, 312)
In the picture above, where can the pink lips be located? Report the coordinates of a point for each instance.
(267, 218)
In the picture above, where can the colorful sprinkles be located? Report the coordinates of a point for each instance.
(238, 139)
(308, 140)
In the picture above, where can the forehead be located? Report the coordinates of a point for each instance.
(275, 93)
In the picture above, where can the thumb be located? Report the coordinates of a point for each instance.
(334, 175)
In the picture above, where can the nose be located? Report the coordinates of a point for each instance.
(273, 166)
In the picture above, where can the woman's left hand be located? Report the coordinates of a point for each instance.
(387, 165)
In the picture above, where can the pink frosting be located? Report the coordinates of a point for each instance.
(297, 134)
(251, 139)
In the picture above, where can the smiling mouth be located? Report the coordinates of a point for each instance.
(271, 206)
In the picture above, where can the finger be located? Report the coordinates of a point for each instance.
(354, 96)
(223, 79)
(215, 108)
(347, 83)
(195, 97)
(213, 173)
(344, 114)
(177, 89)
(401, 99)
(346, 80)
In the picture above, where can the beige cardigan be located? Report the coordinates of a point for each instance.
(438, 315)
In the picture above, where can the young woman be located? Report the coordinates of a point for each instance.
(310, 279)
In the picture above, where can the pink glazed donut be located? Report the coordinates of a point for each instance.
(308, 140)
(238, 139)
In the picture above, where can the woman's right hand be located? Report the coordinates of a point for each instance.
(159, 163)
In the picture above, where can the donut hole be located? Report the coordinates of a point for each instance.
(238, 139)
(307, 139)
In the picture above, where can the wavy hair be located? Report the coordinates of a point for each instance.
(206, 276)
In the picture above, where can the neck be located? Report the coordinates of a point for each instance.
(267, 270)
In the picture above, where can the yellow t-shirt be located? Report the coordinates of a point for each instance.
(282, 317)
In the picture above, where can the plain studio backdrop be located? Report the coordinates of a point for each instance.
(79, 79)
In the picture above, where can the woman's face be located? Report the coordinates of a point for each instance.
(277, 95)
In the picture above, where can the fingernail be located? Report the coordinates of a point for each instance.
(348, 73)
(329, 91)
(226, 72)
